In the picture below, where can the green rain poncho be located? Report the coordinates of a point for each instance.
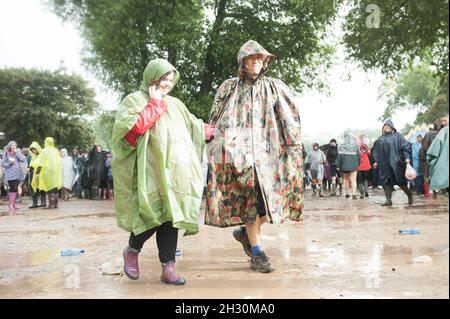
(37, 181)
(161, 179)
(437, 157)
(51, 168)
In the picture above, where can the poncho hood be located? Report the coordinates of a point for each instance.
(155, 70)
(349, 145)
(36, 146)
(252, 47)
(49, 142)
(10, 144)
(389, 123)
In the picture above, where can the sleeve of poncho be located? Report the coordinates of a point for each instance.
(288, 110)
(405, 147)
(375, 151)
(435, 150)
(126, 116)
(220, 99)
(196, 128)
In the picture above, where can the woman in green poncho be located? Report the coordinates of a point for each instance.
(157, 146)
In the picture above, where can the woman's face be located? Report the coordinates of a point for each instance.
(34, 151)
(316, 147)
(13, 148)
(99, 149)
(166, 83)
(254, 64)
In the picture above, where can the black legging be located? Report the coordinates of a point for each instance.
(166, 239)
(13, 185)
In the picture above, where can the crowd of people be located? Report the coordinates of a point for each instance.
(355, 165)
(48, 174)
(256, 168)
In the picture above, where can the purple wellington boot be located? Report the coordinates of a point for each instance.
(169, 276)
(130, 263)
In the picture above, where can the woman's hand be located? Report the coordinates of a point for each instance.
(209, 132)
(154, 92)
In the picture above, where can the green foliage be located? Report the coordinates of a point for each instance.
(416, 88)
(201, 38)
(35, 104)
(407, 30)
(103, 126)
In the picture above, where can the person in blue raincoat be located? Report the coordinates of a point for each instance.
(416, 164)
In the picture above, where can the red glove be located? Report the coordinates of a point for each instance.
(209, 131)
(146, 119)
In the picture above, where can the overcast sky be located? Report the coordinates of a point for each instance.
(32, 36)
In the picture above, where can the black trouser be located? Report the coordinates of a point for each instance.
(388, 189)
(419, 185)
(362, 176)
(53, 195)
(110, 184)
(87, 192)
(363, 182)
(166, 239)
(38, 193)
(13, 185)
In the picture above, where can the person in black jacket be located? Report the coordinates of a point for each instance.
(93, 172)
(391, 154)
(332, 154)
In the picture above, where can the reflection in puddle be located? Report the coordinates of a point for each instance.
(371, 271)
(323, 218)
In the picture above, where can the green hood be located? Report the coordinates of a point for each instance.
(155, 70)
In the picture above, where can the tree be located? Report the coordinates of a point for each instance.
(390, 35)
(416, 88)
(201, 38)
(35, 104)
(103, 127)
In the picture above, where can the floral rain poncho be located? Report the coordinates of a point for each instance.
(257, 139)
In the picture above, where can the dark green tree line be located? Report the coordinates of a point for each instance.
(201, 38)
(35, 104)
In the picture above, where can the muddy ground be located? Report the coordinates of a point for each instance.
(342, 249)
